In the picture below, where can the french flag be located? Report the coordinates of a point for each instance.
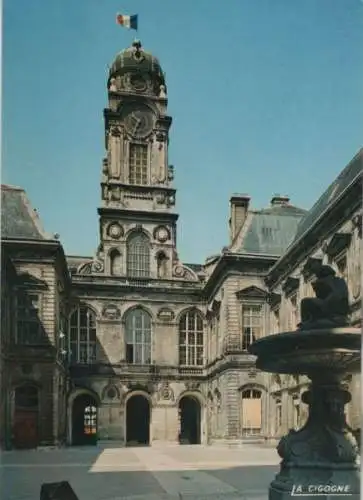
(129, 22)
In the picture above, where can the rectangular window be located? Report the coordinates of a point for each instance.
(138, 164)
(29, 326)
(251, 324)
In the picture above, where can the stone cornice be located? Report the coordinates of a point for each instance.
(97, 288)
(155, 373)
(139, 215)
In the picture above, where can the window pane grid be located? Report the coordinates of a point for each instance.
(191, 342)
(82, 336)
(251, 324)
(138, 256)
(138, 164)
(138, 337)
(29, 327)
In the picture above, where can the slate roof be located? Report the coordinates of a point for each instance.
(271, 230)
(18, 218)
(347, 177)
(195, 267)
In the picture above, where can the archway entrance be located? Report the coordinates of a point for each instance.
(84, 420)
(137, 421)
(26, 417)
(189, 413)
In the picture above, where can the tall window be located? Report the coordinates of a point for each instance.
(138, 164)
(251, 412)
(29, 326)
(138, 255)
(191, 339)
(82, 336)
(138, 337)
(251, 324)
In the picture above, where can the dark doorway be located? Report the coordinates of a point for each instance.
(26, 417)
(137, 421)
(84, 420)
(189, 413)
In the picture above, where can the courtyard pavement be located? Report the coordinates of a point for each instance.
(153, 473)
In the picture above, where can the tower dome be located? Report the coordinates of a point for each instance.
(135, 68)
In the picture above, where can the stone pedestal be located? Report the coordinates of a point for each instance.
(321, 457)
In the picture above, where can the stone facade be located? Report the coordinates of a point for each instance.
(137, 346)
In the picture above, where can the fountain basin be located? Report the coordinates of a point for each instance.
(310, 352)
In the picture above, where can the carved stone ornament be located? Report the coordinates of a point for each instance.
(166, 315)
(112, 87)
(170, 173)
(161, 233)
(115, 230)
(325, 437)
(160, 198)
(115, 131)
(166, 393)
(160, 136)
(330, 307)
(111, 312)
(97, 266)
(192, 386)
(110, 392)
(179, 271)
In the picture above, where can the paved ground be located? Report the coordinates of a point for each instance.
(155, 473)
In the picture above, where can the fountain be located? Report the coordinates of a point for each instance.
(322, 457)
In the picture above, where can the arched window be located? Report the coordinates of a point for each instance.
(115, 263)
(251, 412)
(82, 335)
(138, 337)
(138, 255)
(191, 339)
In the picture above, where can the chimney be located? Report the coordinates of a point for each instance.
(239, 204)
(278, 200)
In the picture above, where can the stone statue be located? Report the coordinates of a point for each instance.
(330, 307)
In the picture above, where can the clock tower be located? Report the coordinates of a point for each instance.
(137, 222)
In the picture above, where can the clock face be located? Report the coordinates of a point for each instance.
(139, 121)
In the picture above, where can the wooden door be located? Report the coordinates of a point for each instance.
(26, 429)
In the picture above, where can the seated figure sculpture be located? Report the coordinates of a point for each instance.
(330, 307)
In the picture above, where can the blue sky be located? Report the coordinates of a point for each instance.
(266, 97)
